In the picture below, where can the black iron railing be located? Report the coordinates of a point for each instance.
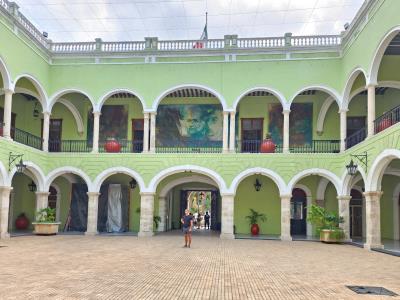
(192, 147)
(1, 128)
(387, 119)
(120, 146)
(253, 146)
(317, 146)
(356, 138)
(69, 146)
(27, 138)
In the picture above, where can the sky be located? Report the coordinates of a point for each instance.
(132, 20)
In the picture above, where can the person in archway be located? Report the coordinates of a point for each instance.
(187, 222)
(207, 220)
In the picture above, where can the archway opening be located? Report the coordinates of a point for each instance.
(121, 123)
(189, 120)
(68, 196)
(305, 111)
(258, 113)
(70, 128)
(261, 194)
(198, 193)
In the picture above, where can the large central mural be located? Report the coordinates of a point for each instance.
(189, 125)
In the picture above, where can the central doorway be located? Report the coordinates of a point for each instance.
(298, 212)
(356, 212)
(200, 204)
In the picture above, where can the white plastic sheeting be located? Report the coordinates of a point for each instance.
(114, 215)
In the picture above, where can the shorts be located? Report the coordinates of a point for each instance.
(186, 230)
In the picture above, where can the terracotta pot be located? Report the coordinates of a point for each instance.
(328, 236)
(384, 123)
(45, 228)
(22, 222)
(255, 229)
(112, 146)
(267, 146)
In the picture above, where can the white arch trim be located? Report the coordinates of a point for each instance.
(323, 88)
(19, 90)
(322, 113)
(5, 74)
(321, 188)
(117, 170)
(191, 179)
(67, 170)
(275, 177)
(396, 212)
(56, 97)
(40, 89)
(349, 85)
(187, 168)
(3, 174)
(188, 86)
(274, 92)
(388, 84)
(36, 171)
(374, 179)
(107, 95)
(75, 113)
(315, 171)
(379, 52)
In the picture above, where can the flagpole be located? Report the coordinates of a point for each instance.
(206, 18)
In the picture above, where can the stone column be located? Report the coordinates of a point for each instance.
(225, 133)
(227, 216)
(162, 211)
(42, 200)
(371, 109)
(46, 128)
(285, 218)
(145, 132)
(93, 207)
(4, 211)
(96, 131)
(286, 132)
(146, 214)
(343, 129)
(373, 219)
(232, 133)
(7, 113)
(153, 132)
(344, 212)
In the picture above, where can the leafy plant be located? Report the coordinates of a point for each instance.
(323, 219)
(255, 216)
(46, 215)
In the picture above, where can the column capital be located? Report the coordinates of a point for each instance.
(377, 194)
(344, 197)
(152, 113)
(227, 194)
(285, 196)
(232, 113)
(42, 194)
(147, 194)
(226, 112)
(343, 110)
(97, 113)
(93, 194)
(371, 85)
(286, 111)
(8, 91)
(6, 188)
(46, 113)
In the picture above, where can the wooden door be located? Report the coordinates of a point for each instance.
(55, 132)
(137, 135)
(252, 133)
(298, 213)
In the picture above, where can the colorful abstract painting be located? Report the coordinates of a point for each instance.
(189, 125)
(300, 124)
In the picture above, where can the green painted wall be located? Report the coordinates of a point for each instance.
(389, 183)
(265, 201)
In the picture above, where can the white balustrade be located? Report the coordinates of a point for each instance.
(32, 30)
(123, 46)
(84, 47)
(4, 4)
(316, 41)
(272, 42)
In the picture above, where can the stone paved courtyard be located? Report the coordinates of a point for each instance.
(125, 267)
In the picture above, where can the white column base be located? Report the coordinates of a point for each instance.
(227, 236)
(4, 236)
(144, 234)
(91, 233)
(285, 238)
(372, 246)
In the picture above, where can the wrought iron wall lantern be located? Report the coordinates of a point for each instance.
(32, 186)
(11, 160)
(133, 184)
(352, 168)
(257, 185)
(36, 110)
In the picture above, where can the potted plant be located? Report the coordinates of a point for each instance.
(253, 220)
(46, 222)
(267, 145)
(327, 224)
